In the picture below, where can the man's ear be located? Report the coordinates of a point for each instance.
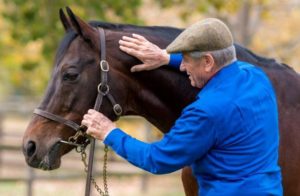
(209, 63)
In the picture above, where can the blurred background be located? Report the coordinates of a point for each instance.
(30, 31)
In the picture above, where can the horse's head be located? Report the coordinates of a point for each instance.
(71, 91)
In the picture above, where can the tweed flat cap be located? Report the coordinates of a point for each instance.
(206, 35)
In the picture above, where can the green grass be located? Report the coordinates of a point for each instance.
(12, 189)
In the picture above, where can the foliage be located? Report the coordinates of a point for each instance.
(30, 33)
(30, 30)
(268, 27)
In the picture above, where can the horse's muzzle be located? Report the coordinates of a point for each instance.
(48, 161)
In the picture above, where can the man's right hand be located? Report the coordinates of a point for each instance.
(150, 54)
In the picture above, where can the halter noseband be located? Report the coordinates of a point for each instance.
(103, 91)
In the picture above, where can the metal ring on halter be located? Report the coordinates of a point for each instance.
(70, 143)
(104, 65)
(103, 92)
(117, 109)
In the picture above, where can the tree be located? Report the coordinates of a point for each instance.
(31, 31)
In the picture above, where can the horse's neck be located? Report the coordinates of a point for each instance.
(159, 95)
(163, 95)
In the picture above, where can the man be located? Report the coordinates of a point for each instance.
(228, 135)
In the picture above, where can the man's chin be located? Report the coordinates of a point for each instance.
(192, 81)
(193, 84)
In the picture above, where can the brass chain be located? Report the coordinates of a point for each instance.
(104, 175)
(81, 149)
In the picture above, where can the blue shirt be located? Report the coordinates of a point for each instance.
(229, 135)
(175, 60)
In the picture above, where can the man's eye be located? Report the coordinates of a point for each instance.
(70, 76)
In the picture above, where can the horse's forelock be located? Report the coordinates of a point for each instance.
(64, 45)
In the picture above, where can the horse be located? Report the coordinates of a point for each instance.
(158, 95)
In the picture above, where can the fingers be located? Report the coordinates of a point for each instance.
(139, 37)
(97, 124)
(148, 53)
(132, 45)
(91, 111)
(131, 40)
(92, 121)
(88, 120)
(137, 68)
(92, 132)
(130, 51)
(85, 122)
(90, 117)
(129, 44)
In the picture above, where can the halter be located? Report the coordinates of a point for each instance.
(103, 91)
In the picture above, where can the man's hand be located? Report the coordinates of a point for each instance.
(99, 126)
(150, 54)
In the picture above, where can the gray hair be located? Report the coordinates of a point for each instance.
(222, 57)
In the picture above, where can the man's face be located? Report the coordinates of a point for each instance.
(198, 70)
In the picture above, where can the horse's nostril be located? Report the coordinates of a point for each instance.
(31, 147)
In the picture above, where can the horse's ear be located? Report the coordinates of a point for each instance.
(82, 28)
(64, 20)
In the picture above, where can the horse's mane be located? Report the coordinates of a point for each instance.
(130, 27)
(256, 59)
(64, 45)
(170, 33)
(160, 31)
(246, 53)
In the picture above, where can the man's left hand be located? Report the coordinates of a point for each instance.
(99, 126)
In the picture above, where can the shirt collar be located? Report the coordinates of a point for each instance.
(220, 77)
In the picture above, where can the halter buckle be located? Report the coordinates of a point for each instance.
(117, 109)
(104, 65)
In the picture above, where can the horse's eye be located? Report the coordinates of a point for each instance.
(70, 76)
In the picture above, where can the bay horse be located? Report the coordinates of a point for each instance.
(157, 95)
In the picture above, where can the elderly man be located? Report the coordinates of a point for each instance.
(228, 135)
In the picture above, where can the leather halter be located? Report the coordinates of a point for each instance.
(103, 91)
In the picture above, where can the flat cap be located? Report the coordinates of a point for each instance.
(206, 35)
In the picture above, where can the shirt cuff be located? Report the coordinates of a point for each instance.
(113, 137)
(175, 60)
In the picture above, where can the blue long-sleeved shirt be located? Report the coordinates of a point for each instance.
(229, 135)
(175, 60)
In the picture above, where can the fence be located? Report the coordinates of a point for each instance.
(13, 121)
